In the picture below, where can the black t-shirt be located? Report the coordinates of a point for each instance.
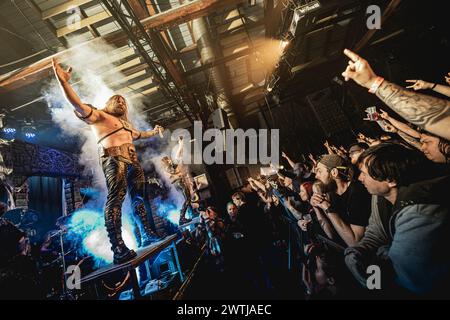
(353, 205)
(385, 209)
(255, 223)
(252, 198)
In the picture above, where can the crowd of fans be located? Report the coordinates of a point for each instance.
(369, 220)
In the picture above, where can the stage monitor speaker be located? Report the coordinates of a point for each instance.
(201, 182)
(220, 119)
(204, 194)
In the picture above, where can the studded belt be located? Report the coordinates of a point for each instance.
(125, 152)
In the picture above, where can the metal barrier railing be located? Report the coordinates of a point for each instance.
(185, 284)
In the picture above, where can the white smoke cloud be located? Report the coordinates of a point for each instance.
(92, 76)
(153, 155)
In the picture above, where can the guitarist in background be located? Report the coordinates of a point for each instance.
(179, 176)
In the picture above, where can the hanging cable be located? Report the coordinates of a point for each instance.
(22, 59)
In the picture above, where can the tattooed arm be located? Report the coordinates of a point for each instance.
(430, 113)
(427, 112)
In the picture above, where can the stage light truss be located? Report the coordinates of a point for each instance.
(141, 41)
(300, 12)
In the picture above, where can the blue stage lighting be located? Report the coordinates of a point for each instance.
(30, 132)
(9, 130)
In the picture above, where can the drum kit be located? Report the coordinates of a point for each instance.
(54, 253)
(60, 254)
(26, 220)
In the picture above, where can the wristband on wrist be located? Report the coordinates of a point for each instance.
(330, 209)
(376, 84)
(434, 86)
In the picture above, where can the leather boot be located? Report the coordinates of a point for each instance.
(183, 220)
(148, 236)
(113, 223)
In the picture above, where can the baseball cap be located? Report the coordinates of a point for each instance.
(333, 161)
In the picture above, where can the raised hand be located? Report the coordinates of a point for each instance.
(389, 127)
(447, 79)
(315, 200)
(419, 85)
(384, 115)
(359, 70)
(319, 201)
(341, 153)
(61, 74)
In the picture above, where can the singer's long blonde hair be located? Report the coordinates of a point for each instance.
(109, 106)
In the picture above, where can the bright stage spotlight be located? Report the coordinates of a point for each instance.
(7, 127)
(9, 130)
(29, 132)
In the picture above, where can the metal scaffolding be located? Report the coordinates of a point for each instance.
(141, 40)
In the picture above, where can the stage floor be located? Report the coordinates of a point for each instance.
(143, 254)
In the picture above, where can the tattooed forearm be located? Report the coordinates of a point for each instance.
(410, 140)
(428, 112)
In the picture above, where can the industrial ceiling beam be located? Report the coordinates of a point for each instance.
(141, 40)
(186, 12)
(49, 13)
(151, 10)
(161, 44)
(242, 53)
(86, 22)
(183, 13)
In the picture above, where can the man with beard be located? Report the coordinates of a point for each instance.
(348, 206)
(118, 159)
